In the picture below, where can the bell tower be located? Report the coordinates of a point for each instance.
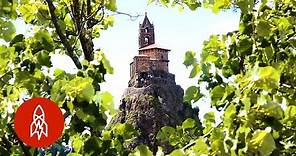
(152, 57)
(146, 33)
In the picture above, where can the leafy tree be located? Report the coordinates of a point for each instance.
(250, 75)
(58, 27)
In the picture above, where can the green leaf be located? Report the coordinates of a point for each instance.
(220, 4)
(17, 38)
(262, 141)
(211, 58)
(192, 4)
(102, 59)
(209, 121)
(263, 28)
(105, 101)
(81, 88)
(107, 135)
(108, 22)
(200, 147)
(217, 94)
(38, 75)
(189, 58)
(8, 8)
(177, 152)
(59, 73)
(283, 24)
(77, 142)
(165, 2)
(111, 5)
(192, 94)
(245, 45)
(142, 150)
(269, 52)
(273, 109)
(68, 22)
(188, 123)
(7, 54)
(125, 130)
(28, 12)
(165, 133)
(290, 114)
(7, 30)
(43, 58)
(25, 79)
(229, 115)
(195, 71)
(70, 107)
(57, 92)
(266, 77)
(245, 5)
(43, 38)
(85, 116)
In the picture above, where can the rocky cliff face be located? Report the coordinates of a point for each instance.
(151, 101)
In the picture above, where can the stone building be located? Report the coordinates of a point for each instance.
(151, 56)
(152, 99)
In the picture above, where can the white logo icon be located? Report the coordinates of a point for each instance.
(38, 125)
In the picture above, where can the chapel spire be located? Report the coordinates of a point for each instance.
(146, 33)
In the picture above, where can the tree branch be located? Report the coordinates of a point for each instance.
(84, 35)
(62, 37)
(93, 22)
(88, 11)
(132, 17)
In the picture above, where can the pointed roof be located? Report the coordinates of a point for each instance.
(146, 21)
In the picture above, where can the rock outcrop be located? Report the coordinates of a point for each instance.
(153, 100)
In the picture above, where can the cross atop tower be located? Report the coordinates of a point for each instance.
(146, 33)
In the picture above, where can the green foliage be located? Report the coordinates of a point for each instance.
(26, 71)
(141, 150)
(250, 79)
(192, 94)
(7, 30)
(8, 9)
(81, 88)
(181, 135)
(262, 141)
(249, 73)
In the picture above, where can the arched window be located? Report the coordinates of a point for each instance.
(162, 57)
(146, 30)
(146, 40)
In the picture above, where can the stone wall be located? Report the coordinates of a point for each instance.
(155, 53)
(149, 61)
(152, 77)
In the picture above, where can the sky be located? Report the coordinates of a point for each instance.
(178, 31)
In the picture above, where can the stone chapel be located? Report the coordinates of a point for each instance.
(151, 56)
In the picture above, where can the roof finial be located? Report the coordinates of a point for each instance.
(145, 13)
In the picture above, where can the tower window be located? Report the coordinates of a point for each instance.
(146, 30)
(146, 39)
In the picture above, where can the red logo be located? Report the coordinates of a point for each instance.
(39, 122)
